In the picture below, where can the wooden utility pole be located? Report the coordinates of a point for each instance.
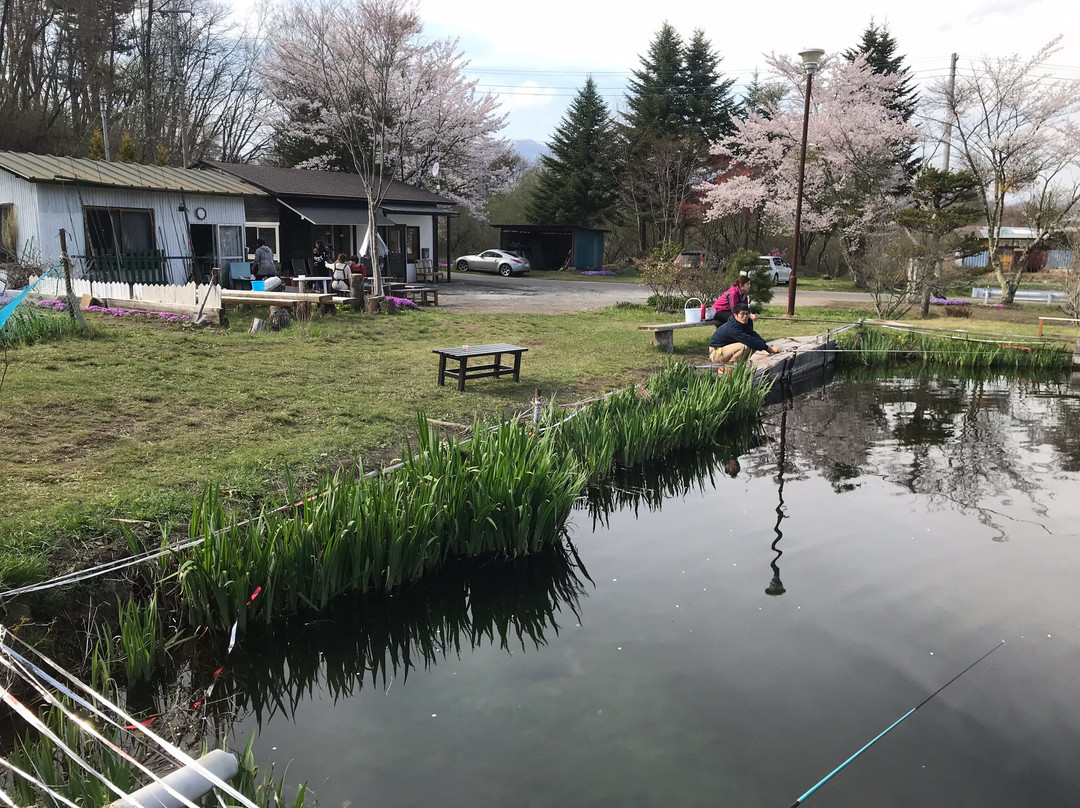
(73, 304)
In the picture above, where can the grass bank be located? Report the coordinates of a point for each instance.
(131, 423)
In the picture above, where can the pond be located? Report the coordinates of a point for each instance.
(728, 630)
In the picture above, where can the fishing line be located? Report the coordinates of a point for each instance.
(839, 768)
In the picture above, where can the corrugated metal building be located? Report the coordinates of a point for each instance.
(554, 247)
(129, 222)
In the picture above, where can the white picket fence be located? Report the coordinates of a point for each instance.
(167, 295)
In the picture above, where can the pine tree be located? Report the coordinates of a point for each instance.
(711, 109)
(657, 98)
(577, 182)
(879, 48)
(126, 152)
(97, 146)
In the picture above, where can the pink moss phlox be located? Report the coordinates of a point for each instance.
(402, 302)
(169, 317)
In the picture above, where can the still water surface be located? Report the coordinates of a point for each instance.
(903, 526)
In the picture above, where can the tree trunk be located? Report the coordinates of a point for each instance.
(279, 318)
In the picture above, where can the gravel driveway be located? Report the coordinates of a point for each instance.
(471, 292)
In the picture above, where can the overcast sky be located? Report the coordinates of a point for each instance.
(535, 56)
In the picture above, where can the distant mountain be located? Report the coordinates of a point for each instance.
(529, 150)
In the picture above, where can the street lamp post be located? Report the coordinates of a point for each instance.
(810, 58)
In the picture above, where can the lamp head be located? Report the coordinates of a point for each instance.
(810, 59)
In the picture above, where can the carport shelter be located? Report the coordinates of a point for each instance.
(555, 247)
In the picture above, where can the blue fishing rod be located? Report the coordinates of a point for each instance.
(888, 729)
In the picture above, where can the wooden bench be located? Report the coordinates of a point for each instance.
(420, 295)
(664, 333)
(300, 303)
(467, 352)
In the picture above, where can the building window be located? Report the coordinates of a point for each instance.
(120, 230)
(254, 232)
(412, 244)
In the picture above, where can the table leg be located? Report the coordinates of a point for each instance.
(498, 365)
(442, 370)
(517, 366)
(300, 285)
(463, 363)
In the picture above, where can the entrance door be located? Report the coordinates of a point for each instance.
(202, 251)
(395, 242)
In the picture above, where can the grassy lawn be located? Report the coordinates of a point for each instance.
(129, 423)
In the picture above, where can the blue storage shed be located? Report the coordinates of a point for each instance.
(555, 246)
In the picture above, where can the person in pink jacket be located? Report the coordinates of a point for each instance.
(726, 303)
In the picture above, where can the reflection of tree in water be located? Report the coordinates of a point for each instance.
(680, 473)
(514, 604)
(973, 442)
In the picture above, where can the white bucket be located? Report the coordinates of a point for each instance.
(693, 313)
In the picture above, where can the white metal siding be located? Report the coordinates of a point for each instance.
(23, 197)
(61, 207)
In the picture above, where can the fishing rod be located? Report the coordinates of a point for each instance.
(840, 768)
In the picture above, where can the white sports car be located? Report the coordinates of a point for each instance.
(501, 261)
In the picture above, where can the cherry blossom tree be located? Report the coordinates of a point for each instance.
(1014, 127)
(357, 78)
(852, 176)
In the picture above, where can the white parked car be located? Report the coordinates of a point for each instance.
(777, 268)
(504, 262)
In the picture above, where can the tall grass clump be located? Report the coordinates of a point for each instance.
(677, 408)
(877, 346)
(29, 324)
(142, 638)
(503, 493)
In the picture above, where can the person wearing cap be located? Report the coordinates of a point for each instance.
(736, 339)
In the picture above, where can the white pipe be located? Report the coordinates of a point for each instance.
(185, 780)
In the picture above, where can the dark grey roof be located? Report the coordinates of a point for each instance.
(77, 170)
(335, 214)
(323, 184)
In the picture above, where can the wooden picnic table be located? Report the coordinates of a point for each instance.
(466, 352)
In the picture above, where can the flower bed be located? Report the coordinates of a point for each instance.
(168, 317)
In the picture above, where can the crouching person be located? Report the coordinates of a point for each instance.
(736, 339)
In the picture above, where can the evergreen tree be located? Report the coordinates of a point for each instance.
(577, 182)
(97, 146)
(657, 98)
(711, 109)
(126, 152)
(879, 48)
(761, 98)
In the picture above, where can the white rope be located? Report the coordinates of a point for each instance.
(39, 783)
(88, 728)
(175, 751)
(28, 716)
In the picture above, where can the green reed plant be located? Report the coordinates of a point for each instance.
(503, 493)
(869, 346)
(142, 639)
(677, 408)
(29, 324)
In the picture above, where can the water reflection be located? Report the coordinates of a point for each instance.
(972, 443)
(776, 586)
(510, 604)
(682, 472)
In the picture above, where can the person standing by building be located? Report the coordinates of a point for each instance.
(264, 261)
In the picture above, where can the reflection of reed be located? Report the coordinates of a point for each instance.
(678, 474)
(382, 637)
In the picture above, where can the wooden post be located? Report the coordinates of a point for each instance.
(356, 292)
(1076, 357)
(73, 304)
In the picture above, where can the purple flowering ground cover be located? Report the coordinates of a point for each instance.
(168, 317)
